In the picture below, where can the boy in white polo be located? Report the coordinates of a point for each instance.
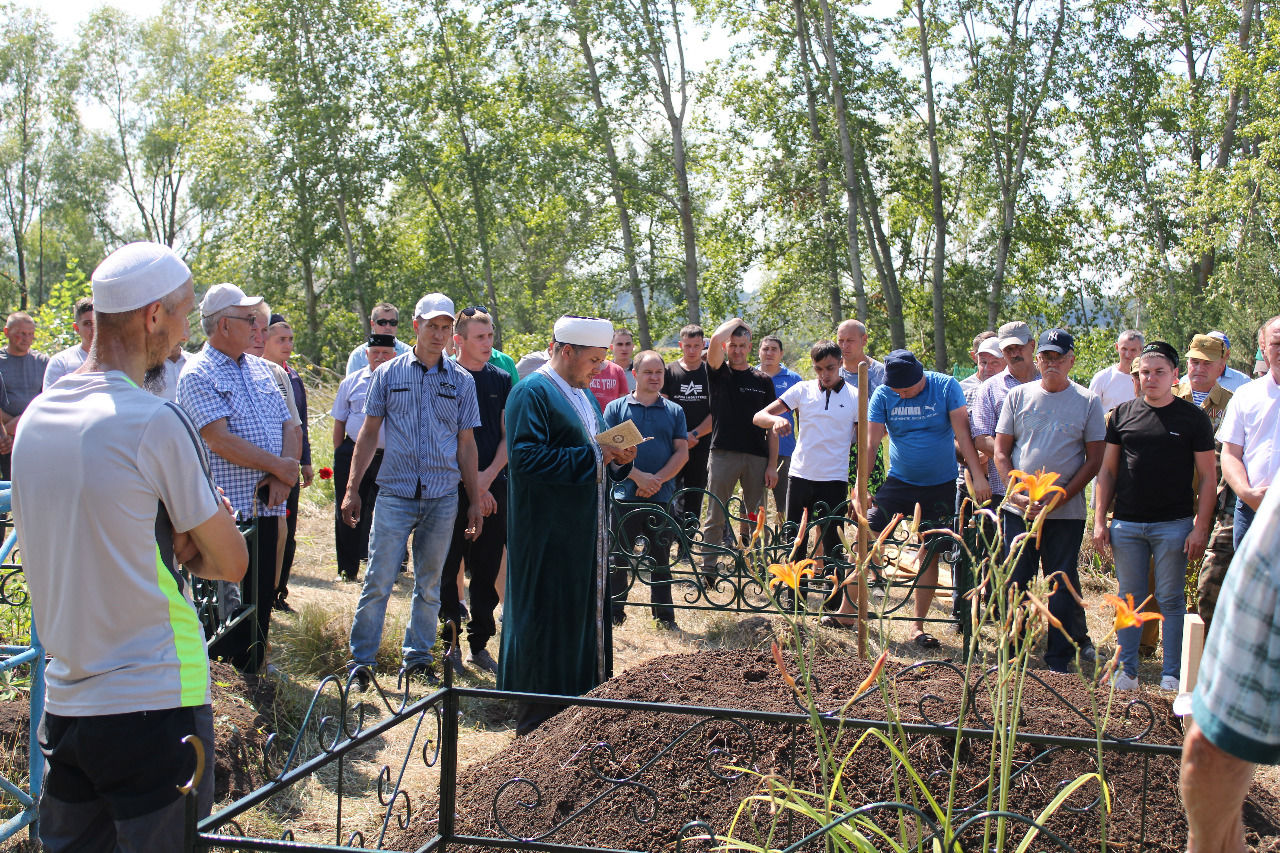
(827, 408)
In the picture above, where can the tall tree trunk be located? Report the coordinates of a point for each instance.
(882, 255)
(815, 135)
(1209, 259)
(939, 213)
(1010, 164)
(309, 292)
(657, 56)
(851, 183)
(619, 198)
(352, 261)
(473, 178)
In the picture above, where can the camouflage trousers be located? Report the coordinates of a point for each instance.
(1217, 559)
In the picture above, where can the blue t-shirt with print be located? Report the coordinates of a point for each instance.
(785, 379)
(921, 441)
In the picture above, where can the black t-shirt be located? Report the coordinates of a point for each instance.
(690, 390)
(1157, 462)
(736, 396)
(492, 387)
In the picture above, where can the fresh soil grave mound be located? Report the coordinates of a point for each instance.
(673, 763)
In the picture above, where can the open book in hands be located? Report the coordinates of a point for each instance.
(621, 437)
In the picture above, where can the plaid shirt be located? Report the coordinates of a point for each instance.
(422, 411)
(984, 417)
(1238, 689)
(244, 392)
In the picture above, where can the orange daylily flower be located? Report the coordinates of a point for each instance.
(759, 531)
(876, 668)
(1038, 486)
(1128, 616)
(790, 573)
(782, 668)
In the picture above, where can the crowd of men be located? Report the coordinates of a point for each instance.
(451, 458)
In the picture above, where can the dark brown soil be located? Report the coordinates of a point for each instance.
(241, 725)
(668, 761)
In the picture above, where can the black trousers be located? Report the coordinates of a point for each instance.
(484, 560)
(632, 521)
(693, 476)
(352, 543)
(290, 542)
(252, 653)
(805, 494)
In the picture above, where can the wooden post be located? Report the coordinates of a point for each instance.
(864, 466)
(1192, 649)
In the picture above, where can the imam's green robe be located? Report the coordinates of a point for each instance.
(557, 632)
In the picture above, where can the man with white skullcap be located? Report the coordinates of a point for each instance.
(253, 443)
(128, 677)
(557, 627)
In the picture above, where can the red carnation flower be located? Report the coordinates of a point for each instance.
(326, 473)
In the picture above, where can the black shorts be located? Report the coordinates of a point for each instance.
(937, 504)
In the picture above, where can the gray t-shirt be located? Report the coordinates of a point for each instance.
(1050, 431)
(23, 378)
(103, 475)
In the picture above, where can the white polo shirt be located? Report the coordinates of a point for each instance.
(828, 423)
(1252, 421)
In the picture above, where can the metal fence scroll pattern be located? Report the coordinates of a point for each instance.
(14, 658)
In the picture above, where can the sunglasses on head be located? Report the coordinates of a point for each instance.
(473, 310)
(386, 322)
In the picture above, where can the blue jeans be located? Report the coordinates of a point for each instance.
(1240, 526)
(430, 520)
(1059, 551)
(1135, 545)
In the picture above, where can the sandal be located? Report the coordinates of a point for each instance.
(926, 641)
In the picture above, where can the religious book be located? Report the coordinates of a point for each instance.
(622, 436)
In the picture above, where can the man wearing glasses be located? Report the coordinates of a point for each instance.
(70, 359)
(253, 444)
(383, 320)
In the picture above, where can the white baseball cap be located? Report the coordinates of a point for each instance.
(433, 305)
(225, 295)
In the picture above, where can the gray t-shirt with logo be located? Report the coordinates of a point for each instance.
(104, 474)
(1050, 431)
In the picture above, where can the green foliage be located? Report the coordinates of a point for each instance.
(55, 317)
(330, 154)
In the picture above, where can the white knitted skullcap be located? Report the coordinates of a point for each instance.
(135, 275)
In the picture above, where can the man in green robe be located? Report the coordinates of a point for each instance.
(557, 631)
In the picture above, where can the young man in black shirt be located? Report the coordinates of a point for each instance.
(473, 334)
(1155, 445)
(741, 452)
(687, 385)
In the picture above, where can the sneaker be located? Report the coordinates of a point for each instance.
(666, 625)
(418, 671)
(1169, 683)
(481, 659)
(454, 659)
(1125, 682)
(1088, 652)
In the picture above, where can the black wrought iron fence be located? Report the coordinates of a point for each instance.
(521, 813)
(657, 546)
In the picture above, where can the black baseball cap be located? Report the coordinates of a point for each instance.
(1056, 340)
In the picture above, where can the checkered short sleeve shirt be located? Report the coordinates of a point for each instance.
(1238, 690)
(244, 392)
